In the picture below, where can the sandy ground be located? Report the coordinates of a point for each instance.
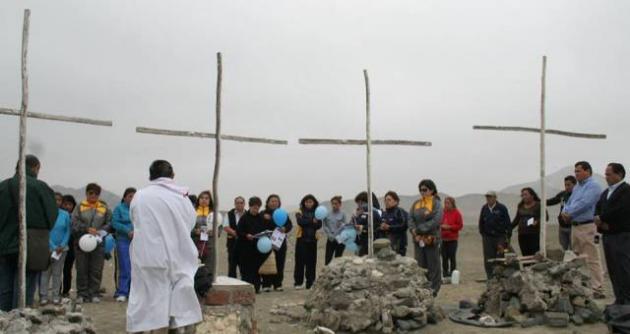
(109, 316)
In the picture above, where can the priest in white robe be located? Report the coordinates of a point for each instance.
(163, 256)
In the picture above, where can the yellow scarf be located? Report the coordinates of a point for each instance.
(203, 211)
(98, 206)
(424, 202)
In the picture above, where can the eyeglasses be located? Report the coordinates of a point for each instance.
(424, 190)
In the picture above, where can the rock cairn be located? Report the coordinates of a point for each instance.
(548, 292)
(66, 318)
(386, 294)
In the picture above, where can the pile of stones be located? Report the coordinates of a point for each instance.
(548, 292)
(385, 294)
(66, 318)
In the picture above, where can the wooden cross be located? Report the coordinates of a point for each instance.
(218, 136)
(23, 113)
(542, 131)
(368, 142)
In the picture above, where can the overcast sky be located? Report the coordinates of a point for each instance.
(294, 69)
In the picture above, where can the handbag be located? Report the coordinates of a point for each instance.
(37, 251)
(269, 266)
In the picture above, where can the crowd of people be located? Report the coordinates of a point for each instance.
(153, 226)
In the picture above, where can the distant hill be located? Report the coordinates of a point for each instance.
(554, 182)
(79, 194)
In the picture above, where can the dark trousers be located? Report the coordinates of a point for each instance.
(305, 258)
(250, 262)
(232, 257)
(67, 268)
(529, 243)
(333, 248)
(449, 251)
(398, 242)
(428, 257)
(617, 253)
(363, 245)
(89, 271)
(491, 251)
(281, 259)
(564, 236)
(9, 283)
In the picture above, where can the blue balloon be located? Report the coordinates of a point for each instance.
(280, 217)
(352, 247)
(264, 245)
(321, 212)
(109, 243)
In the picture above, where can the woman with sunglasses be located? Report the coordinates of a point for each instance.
(426, 216)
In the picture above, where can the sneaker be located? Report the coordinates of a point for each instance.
(298, 287)
(121, 299)
(278, 289)
(56, 301)
(43, 301)
(96, 300)
(267, 289)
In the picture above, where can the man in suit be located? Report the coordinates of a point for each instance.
(612, 217)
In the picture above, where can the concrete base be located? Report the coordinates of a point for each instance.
(229, 308)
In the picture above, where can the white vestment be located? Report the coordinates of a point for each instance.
(163, 259)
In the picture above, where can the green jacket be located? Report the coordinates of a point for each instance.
(41, 210)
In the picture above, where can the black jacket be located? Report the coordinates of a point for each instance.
(615, 211)
(561, 198)
(495, 222)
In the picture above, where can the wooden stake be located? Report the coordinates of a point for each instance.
(369, 165)
(543, 190)
(537, 130)
(217, 164)
(60, 118)
(324, 141)
(195, 134)
(21, 303)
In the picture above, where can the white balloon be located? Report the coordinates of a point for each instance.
(219, 219)
(88, 243)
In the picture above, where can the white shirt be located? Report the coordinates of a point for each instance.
(612, 188)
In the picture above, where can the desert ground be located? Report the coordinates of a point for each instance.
(109, 316)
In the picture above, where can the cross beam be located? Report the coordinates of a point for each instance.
(195, 134)
(60, 118)
(542, 131)
(368, 142)
(537, 130)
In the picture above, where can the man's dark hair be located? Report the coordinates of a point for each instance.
(255, 201)
(30, 161)
(585, 166)
(618, 169)
(160, 168)
(93, 187)
(571, 179)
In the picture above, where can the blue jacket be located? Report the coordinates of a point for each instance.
(60, 233)
(122, 221)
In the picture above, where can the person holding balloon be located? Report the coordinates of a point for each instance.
(309, 220)
(277, 217)
(91, 217)
(253, 249)
(360, 220)
(394, 224)
(333, 224)
(124, 233)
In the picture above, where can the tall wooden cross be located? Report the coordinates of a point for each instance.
(542, 131)
(23, 113)
(368, 142)
(218, 136)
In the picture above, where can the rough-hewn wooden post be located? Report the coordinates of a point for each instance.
(22, 166)
(543, 189)
(368, 146)
(217, 164)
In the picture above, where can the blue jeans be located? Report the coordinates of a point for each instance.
(9, 288)
(124, 268)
